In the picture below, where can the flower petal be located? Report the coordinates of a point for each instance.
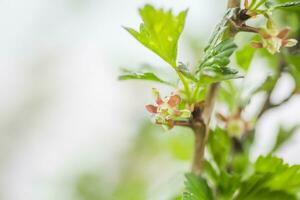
(174, 100)
(289, 43)
(156, 96)
(283, 33)
(151, 108)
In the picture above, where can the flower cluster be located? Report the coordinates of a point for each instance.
(166, 110)
(273, 40)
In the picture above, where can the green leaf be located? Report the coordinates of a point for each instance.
(210, 172)
(245, 56)
(219, 54)
(148, 76)
(272, 179)
(213, 67)
(196, 188)
(240, 162)
(228, 184)
(286, 5)
(283, 136)
(180, 144)
(219, 145)
(216, 73)
(266, 194)
(256, 4)
(185, 71)
(160, 31)
(294, 68)
(267, 85)
(220, 29)
(282, 176)
(269, 164)
(229, 94)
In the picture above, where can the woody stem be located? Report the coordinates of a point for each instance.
(202, 115)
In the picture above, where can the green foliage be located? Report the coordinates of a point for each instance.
(147, 76)
(244, 56)
(219, 145)
(220, 29)
(160, 32)
(180, 145)
(183, 69)
(89, 187)
(267, 84)
(294, 68)
(295, 4)
(196, 188)
(255, 4)
(228, 172)
(272, 179)
(228, 184)
(213, 67)
(229, 95)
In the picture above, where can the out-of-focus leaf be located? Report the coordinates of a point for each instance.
(160, 31)
(219, 145)
(282, 176)
(267, 85)
(294, 68)
(283, 136)
(89, 186)
(272, 179)
(286, 5)
(196, 188)
(228, 93)
(211, 172)
(240, 163)
(180, 144)
(255, 4)
(147, 76)
(272, 60)
(133, 188)
(245, 56)
(228, 184)
(266, 194)
(269, 164)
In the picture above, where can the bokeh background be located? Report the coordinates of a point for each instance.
(70, 130)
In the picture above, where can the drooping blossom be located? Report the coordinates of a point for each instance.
(235, 125)
(273, 40)
(166, 110)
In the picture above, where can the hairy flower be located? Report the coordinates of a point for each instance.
(273, 40)
(166, 110)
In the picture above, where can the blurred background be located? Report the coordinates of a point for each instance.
(70, 130)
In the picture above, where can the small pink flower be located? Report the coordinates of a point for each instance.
(166, 110)
(273, 40)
